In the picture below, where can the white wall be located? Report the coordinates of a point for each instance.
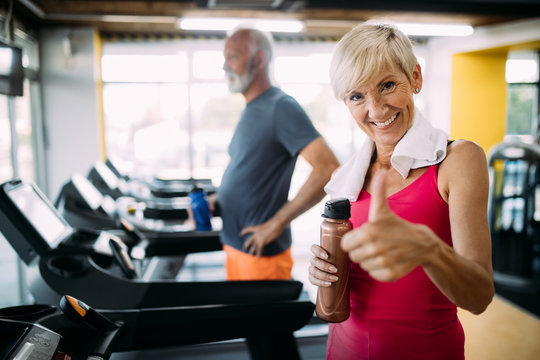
(70, 110)
(437, 84)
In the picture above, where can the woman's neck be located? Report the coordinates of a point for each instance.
(382, 156)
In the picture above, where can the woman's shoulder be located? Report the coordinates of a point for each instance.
(464, 151)
(465, 165)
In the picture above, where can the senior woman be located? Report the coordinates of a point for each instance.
(420, 244)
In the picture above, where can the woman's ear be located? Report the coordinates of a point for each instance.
(417, 78)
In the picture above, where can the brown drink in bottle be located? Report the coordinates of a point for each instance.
(333, 302)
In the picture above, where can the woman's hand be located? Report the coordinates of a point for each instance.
(387, 246)
(321, 272)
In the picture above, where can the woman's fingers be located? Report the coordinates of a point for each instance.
(321, 273)
(319, 252)
(323, 265)
(321, 278)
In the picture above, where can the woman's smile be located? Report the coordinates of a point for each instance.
(385, 123)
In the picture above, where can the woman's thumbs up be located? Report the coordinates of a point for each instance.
(378, 206)
(386, 246)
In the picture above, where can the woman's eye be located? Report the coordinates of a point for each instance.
(389, 85)
(355, 97)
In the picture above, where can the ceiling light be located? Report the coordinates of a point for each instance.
(226, 24)
(417, 29)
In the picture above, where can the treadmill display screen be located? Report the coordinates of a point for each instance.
(88, 191)
(41, 214)
(107, 175)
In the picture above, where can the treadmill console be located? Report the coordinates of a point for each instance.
(88, 196)
(84, 206)
(168, 188)
(112, 166)
(23, 340)
(105, 180)
(34, 227)
(29, 220)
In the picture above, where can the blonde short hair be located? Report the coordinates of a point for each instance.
(366, 50)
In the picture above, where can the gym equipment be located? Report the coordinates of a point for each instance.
(74, 330)
(96, 268)
(86, 206)
(108, 179)
(514, 218)
(62, 260)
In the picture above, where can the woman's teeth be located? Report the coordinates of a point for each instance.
(387, 122)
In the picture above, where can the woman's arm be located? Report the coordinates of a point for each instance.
(465, 273)
(389, 247)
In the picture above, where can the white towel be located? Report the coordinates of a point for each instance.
(422, 145)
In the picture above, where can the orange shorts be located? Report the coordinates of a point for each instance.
(242, 266)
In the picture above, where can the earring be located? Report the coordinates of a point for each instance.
(417, 90)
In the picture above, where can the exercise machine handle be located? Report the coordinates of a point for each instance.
(120, 252)
(78, 311)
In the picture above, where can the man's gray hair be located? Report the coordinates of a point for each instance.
(258, 40)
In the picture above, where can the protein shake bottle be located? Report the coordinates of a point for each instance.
(333, 302)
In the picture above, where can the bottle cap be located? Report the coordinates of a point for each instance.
(338, 208)
(196, 189)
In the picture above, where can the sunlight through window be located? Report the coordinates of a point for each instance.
(145, 68)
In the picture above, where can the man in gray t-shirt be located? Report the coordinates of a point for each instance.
(253, 196)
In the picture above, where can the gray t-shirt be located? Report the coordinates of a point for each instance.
(272, 130)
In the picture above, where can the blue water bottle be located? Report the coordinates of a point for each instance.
(200, 208)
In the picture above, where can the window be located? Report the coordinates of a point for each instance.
(8, 258)
(6, 170)
(177, 119)
(23, 126)
(522, 95)
(18, 149)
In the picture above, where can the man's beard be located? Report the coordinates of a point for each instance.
(240, 83)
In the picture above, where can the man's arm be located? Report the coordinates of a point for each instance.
(323, 162)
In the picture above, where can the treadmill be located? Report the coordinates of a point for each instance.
(73, 330)
(96, 268)
(84, 206)
(163, 217)
(133, 193)
(108, 179)
(157, 186)
(168, 235)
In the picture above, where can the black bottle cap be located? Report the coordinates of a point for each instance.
(338, 208)
(196, 189)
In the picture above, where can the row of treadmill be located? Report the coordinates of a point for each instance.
(102, 263)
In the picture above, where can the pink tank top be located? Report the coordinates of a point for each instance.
(409, 318)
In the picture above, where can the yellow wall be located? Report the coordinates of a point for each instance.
(478, 104)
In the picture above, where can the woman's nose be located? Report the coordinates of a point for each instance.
(376, 107)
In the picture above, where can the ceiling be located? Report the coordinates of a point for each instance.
(328, 18)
